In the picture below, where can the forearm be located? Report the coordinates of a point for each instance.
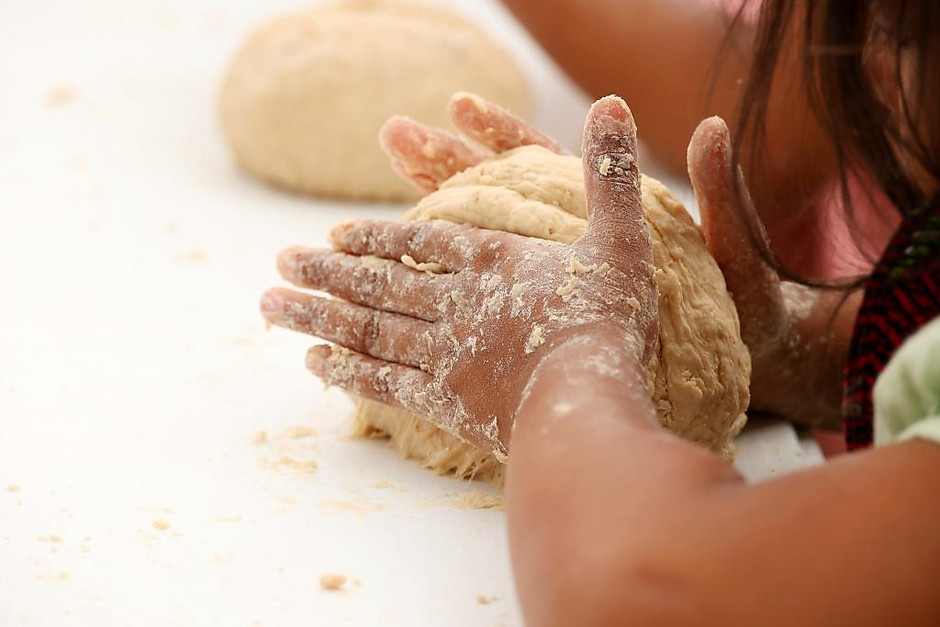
(676, 63)
(612, 517)
(589, 461)
(657, 55)
(852, 541)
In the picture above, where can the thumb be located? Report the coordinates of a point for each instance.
(730, 224)
(616, 223)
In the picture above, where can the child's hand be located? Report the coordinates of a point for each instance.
(426, 156)
(460, 342)
(797, 336)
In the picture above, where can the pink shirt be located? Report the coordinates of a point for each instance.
(751, 8)
(823, 242)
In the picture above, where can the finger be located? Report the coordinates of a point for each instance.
(409, 389)
(384, 335)
(369, 281)
(388, 383)
(451, 246)
(616, 220)
(422, 183)
(493, 126)
(425, 156)
(730, 224)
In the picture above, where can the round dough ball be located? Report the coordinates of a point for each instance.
(306, 95)
(699, 374)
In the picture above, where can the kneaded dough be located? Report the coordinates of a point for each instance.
(306, 95)
(698, 376)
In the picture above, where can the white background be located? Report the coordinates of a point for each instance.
(135, 370)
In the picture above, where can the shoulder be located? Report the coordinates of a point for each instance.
(907, 394)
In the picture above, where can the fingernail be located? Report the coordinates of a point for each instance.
(271, 302)
(478, 103)
(613, 106)
(317, 357)
(712, 132)
(394, 133)
(287, 264)
(709, 152)
(610, 131)
(385, 136)
(340, 233)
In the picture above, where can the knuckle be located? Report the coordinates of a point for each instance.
(298, 315)
(370, 237)
(368, 280)
(463, 249)
(356, 239)
(416, 237)
(429, 340)
(339, 368)
(617, 169)
(372, 335)
(492, 249)
(312, 270)
(381, 380)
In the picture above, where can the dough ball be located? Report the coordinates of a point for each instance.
(306, 95)
(698, 377)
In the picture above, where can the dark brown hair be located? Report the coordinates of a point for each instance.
(873, 110)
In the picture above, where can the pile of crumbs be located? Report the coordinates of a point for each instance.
(384, 485)
(296, 432)
(332, 581)
(60, 96)
(359, 506)
(284, 460)
(189, 256)
(477, 500)
(302, 466)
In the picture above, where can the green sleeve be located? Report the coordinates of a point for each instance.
(907, 394)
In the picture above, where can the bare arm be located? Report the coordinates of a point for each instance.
(612, 519)
(666, 58)
(656, 54)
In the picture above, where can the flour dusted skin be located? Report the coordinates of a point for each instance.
(698, 376)
(305, 96)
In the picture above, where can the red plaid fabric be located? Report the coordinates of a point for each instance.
(901, 296)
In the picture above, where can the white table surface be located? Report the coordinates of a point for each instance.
(135, 371)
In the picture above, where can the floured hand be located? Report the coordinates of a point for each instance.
(797, 336)
(426, 156)
(432, 318)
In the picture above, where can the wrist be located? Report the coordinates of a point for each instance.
(586, 368)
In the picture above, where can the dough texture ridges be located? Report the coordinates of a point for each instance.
(698, 377)
(416, 438)
(305, 96)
